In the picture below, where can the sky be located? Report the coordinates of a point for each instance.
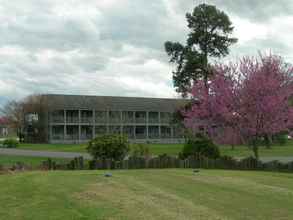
(116, 47)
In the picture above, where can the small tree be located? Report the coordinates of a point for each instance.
(209, 37)
(140, 150)
(199, 145)
(113, 147)
(250, 98)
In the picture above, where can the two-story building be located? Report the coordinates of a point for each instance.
(77, 119)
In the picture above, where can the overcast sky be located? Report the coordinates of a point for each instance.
(115, 47)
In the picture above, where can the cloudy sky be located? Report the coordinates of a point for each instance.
(115, 47)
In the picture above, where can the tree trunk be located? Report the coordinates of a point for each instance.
(255, 151)
(232, 147)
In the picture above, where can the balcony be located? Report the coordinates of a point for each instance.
(153, 117)
(57, 116)
(72, 120)
(153, 132)
(101, 117)
(86, 116)
(57, 119)
(165, 117)
(72, 116)
(140, 117)
(127, 117)
(87, 120)
(115, 117)
(165, 132)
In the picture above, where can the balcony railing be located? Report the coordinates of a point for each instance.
(115, 120)
(57, 119)
(128, 120)
(57, 136)
(165, 120)
(140, 120)
(154, 120)
(72, 119)
(154, 135)
(86, 120)
(86, 136)
(72, 137)
(100, 120)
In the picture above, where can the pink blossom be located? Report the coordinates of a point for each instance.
(249, 99)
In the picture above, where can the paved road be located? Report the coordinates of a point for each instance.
(33, 153)
(281, 159)
(51, 154)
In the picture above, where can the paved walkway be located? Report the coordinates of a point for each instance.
(34, 153)
(52, 154)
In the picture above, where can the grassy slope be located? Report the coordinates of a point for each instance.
(147, 194)
(171, 149)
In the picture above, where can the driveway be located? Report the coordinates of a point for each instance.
(34, 153)
(70, 155)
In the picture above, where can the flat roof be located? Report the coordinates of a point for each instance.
(59, 101)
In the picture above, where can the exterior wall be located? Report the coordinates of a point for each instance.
(4, 131)
(81, 125)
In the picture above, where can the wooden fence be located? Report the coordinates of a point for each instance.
(171, 162)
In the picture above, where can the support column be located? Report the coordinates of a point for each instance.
(121, 123)
(94, 125)
(159, 124)
(134, 126)
(51, 133)
(79, 126)
(65, 131)
(108, 120)
(147, 125)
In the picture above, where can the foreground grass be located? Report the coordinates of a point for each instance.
(172, 149)
(147, 194)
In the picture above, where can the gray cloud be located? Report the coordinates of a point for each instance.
(111, 47)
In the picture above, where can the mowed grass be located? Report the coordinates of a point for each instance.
(147, 194)
(54, 147)
(172, 149)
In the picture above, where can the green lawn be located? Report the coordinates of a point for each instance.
(54, 147)
(147, 194)
(6, 160)
(171, 149)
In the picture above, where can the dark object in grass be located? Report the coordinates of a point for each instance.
(196, 171)
(108, 175)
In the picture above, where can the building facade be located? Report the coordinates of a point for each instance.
(78, 119)
(4, 128)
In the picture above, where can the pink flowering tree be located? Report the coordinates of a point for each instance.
(248, 100)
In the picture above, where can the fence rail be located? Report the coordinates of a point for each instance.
(173, 162)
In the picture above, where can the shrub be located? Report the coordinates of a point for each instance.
(199, 144)
(10, 143)
(249, 163)
(140, 150)
(280, 138)
(113, 147)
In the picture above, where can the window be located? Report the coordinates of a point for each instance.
(32, 118)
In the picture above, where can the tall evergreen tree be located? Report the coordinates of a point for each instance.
(209, 37)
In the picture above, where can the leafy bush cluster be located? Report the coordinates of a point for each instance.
(281, 138)
(200, 145)
(113, 147)
(140, 150)
(10, 143)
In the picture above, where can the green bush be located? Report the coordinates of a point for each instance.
(199, 144)
(140, 150)
(280, 138)
(113, 147)
(10, 143)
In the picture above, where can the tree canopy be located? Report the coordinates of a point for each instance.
(209, 37)
(250, 98)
